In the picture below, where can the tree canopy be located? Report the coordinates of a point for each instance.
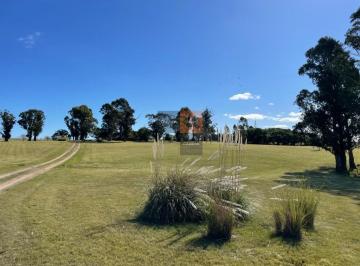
(353, 34)
(7, 123)
(32, 121)
(158, 124)
(80, 122)
(332, 110)
(118, 119)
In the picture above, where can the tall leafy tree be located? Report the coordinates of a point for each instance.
(80, 122)
(328, 111)
(207, 124)
(118, 119)
(7, 122)
(32, 121)
(158, 124)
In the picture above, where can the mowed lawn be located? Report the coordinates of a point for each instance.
(82, 213)
(18, 154)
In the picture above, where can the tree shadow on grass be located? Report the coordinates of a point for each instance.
(182, 230)
(327, 180)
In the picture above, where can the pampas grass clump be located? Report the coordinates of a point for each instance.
(296, 209)
(172, 200)
(220, 222)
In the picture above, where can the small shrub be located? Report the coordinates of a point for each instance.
(293, 219)
(220, 222)
(296, 210)
(309, 203)
(172, 200)
(228, 193)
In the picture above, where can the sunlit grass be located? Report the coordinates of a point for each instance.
(83, 213)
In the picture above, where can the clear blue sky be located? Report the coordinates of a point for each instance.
(162, 55)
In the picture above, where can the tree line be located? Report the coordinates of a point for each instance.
(330, 113)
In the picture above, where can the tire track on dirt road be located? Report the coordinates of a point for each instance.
(34, 171)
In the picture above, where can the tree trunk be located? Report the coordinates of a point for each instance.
(352, 164)
(6, 139)
(34, 138)
(340, 158)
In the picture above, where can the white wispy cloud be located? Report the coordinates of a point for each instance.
(292, 117)
(294, 114)
(271, 104)
(247, 116)
(244, 96)
(30, 40)
(257, 108)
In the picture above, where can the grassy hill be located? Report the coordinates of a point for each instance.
(18, 154)
(83, 212)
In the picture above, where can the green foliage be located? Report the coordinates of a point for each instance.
(172, 199)
(7, 123)
(143, 134)
(32, 121)
(207, 124)
(353, 34)
(158, 123)
(229, 193)
(118, 119)
(61, 135)
(80, 122)
(332, 111)
(220, 222)
(295, 210)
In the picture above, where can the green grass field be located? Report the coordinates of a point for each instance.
(16, 155)
(82, 213)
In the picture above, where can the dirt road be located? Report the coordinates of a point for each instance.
(31, 172)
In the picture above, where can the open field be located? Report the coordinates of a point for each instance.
(17, 155)
(83, 212)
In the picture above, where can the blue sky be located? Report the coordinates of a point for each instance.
(162, 55)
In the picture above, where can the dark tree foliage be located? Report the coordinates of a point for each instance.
(61, 134)
(7, 123)
(32, 121)
(353, 34)
(118, 119)
(143, 134)
(158, 124)
(80, 122)
(278, 136)
(331, 112)
(207, 123)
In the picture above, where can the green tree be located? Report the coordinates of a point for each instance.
(61, 134)
(80, 122)
(328, 111)
(7, 122)
(143, 134)
(207, 124)
(158, 124)
(118, 119)
(32, 121)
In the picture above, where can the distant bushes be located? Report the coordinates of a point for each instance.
(295, 210)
